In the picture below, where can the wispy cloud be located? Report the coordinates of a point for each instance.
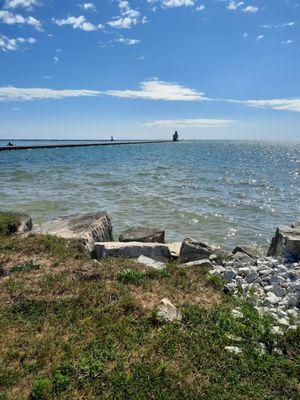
(128, 18)
(88, 6)
(234, 5)
(286, 24)
(128, 42)
(250, 10)
(16, 19)
(191, 123)
(78, 23)
(10, 93)
(14, 44)
(150, 90)
(28, 4)
(159, 90)
(177, 3)
(275, 104)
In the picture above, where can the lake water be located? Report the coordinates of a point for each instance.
(226, 192)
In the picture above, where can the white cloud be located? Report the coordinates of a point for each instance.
(159, 90)
(233, 5)
(286, 24)
(128, 42)
(77, 23)
(177, 3)
(191, 123)
(200, 8)
(250, 9)
(275, 104)
(260, 37)
(11, 93)
(88, 6)
(287, 41)
(128, 17)
(56, 59)
(11, 19)
(28, 4)
(13, 44)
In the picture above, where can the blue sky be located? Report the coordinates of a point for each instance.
(140, 69)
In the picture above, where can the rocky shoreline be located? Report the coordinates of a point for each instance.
(270, 282)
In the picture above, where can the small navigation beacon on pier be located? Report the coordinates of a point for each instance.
(111, 138)
(175, 137)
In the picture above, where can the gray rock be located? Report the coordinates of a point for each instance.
(252, 277)
(233, 349)
(286, 243)
(157, 251)
(229, 275)
(237, 314)
(250, 250)
(279, 291)
(242, 258)
(202, 264)
(89, 228)
(20, 223)
(271, 298)
(149, 262)
(192, 250)
(244, 271)
(167, 312)
(143, 234)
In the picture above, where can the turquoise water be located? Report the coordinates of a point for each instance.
(226, 192)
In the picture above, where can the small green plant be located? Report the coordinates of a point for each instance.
(26, 267)
(8, 223)
(40, 390)
(131, 276)
(216, 281)
(158, 273)
(61, 378)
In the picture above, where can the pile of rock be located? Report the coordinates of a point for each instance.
(272, 285)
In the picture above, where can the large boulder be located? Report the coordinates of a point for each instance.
(89, 228)
(14, 223)
(192, 250)
(143, 234)
(157, 251)
(250, 250)
(286, 243)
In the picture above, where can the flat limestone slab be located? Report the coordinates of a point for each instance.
(156, 251)
(149, 262)
(88, 227)
(174, 249)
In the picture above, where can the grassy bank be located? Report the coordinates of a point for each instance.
(72, 328)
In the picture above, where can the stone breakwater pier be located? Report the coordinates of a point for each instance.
(64, 145)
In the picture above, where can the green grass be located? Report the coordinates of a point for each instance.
(8, 223)
(79, 330)
(26, 267)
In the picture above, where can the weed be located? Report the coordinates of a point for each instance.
(131, 276)
(26, 267)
